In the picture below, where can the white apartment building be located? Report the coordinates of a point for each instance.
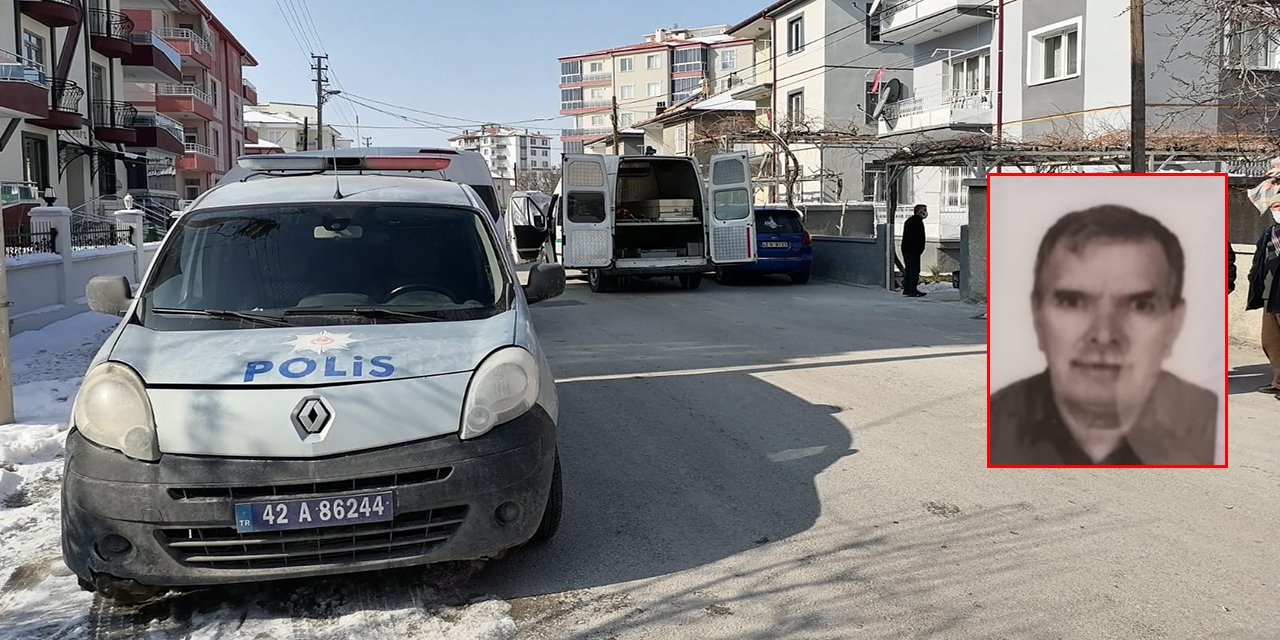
(510, 152)
(669, 67)
(290, 126)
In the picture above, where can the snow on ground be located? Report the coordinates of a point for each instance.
(40, 597)
(937, 287)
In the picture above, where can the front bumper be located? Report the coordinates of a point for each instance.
(178, 514)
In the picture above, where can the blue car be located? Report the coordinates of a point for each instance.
(782, 245)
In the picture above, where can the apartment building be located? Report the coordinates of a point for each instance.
(510, 152)
(817, 63)
(282, 127)
(669, 67)
(115, 96)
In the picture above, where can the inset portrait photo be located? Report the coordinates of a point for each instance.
(1107, 311)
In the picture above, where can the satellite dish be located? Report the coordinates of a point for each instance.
(890, 92)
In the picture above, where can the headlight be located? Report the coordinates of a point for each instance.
(112, 409)
(503, 388)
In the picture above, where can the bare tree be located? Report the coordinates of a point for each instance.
(544, 180)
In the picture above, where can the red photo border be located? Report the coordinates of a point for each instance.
(1226, 312)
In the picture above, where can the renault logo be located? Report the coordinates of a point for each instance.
(312, 415)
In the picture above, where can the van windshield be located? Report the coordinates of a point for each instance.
(325, 264)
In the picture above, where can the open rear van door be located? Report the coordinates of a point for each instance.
(586, 203)
(731, 224)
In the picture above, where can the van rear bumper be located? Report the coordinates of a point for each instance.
(447, 491)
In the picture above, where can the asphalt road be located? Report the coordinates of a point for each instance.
(807, 461)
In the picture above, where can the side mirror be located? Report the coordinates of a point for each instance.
(546, 281)
(109, 294)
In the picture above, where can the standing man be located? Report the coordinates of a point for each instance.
(1264, 293)
(1107, 306)
(912, 248)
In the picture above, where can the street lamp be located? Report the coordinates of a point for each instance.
(50, 196)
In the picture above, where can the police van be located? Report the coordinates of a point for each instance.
(321, 372)
(653, 216)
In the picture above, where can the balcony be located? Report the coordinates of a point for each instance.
(184, 101)
(950, 112)
(250, 135)
(198, 158)
(189, 44)
(152, 59)
(582, 106)
(585, 134)
(604, 77)
(250, 92)
(917, 21)
(113, 121)
(52, 13)
(64, 107)
(24, 90)
(110, 33)
(158, 131)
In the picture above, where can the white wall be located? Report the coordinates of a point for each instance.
(33, 283)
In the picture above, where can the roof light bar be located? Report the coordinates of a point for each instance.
(405, 163)
(284, 163)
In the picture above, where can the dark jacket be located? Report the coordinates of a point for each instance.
(1231, 268)
(1178, 426)
(913, 236)
(1257, 278)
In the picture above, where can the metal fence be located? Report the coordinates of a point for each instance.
(92, 234)
(38, 237)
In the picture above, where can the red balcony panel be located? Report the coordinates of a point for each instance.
(110, 33)
(250, 94)
(64, 106)
(178, 106)
(23, 100)
(113, 121)
(52, 13)
(147, 63)
(158, 138)
(250, 136)
(198, 159)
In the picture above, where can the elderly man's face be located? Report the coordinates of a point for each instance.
(1106, 322)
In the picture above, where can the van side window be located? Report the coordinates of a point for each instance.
(733, 204)
(585, 207)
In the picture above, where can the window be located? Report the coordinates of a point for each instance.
(627, 91)
(869, 106)
(970, 85)
(107, 184)
(795, 107)
(626, 64)
(689, 60)
(191, 188)
(191, 135)
(597, 94)
(685, 87)
(624, 120)
(872, 24)
(33, 49)
(728, 60)
(544, 163)
(98, 83)
(654, 89)
(875, 185)
(570, 71)
(214, 135)
(953, 192)
(597, 121)
(236, 109)
(1252, 46)
(653, 61)
(595, 67)
(795, 34)
(213, 91)
(682, 141)
(1054, 52)
(35, 160)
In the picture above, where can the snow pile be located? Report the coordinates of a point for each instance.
(41, 598)
(937, 287)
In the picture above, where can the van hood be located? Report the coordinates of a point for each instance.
(311, 356)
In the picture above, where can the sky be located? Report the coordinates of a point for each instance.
(475, 61)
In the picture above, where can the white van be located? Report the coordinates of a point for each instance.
(647, 216)
(316, 375)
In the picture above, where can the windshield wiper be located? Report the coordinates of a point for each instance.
(363, 312)
(223, 314)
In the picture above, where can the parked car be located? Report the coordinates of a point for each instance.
(782, 246)
(316, 376)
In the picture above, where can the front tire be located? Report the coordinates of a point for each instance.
(598, 282)
(800, 277)
(550, 522)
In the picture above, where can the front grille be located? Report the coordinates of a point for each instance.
(308, 488)
(408, 535)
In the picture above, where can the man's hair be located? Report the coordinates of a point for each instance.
(919, 207)
(1110, 223)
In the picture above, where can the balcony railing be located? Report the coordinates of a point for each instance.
(17, 192)
(585, 104)
(15, 68)
(569, 133)
(159, 121)
(65, 95)
(154, 39)
(111, 24)
(113, 114)
(201, 43)
(950, 99)
(200, 149)
(245, 82)
(184, 90)
(597, 77)
(570, 78)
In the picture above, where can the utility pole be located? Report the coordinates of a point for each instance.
(319, 67)
(306, 132)
(1137, 45)
(617, 137)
